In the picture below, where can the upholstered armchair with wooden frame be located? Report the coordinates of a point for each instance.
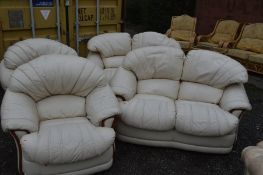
(224, 31)
(248, 47)
(59, 109)
(183, 30)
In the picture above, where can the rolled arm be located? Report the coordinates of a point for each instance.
(235, 98)
(124, 84)
(95, 58)
(101, 104)
(19, 112)
(168, 32)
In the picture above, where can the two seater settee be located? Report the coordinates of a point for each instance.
(190, 102)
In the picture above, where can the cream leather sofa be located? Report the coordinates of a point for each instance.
(54, 108)
(170, 100)
(253, 159)
(108, 50)
(27, 50)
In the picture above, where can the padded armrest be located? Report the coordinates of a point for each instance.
(19, 112)
(95, 58)
(235, 97)
(124, 83)
(101, 104)
(168, 32)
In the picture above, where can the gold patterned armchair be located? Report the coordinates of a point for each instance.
(183, 30)
(224, 31)
(248, 47)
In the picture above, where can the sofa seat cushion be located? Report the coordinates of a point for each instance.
(258, 58)
(243, 54)
(163, 87)
(113, 62)
(185, 44)
(251, 44)
(151, 112)
(203, 119)
(206, 45)
(68, 140)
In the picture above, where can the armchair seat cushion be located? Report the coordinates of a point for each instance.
(203, 119)
(152, 112)
(257, 58)
(185, 44)
(207, 45)
(243, 54)
(68, 140)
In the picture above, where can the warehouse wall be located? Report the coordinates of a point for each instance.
(154, 15)
(209, 11)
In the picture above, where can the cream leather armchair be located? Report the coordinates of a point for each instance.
(55, 107)
(27, 50)
(170, 100)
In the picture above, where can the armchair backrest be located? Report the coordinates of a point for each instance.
(183, 27)
(225, 30)
(29, 49)
(251, 38)
(51, 75)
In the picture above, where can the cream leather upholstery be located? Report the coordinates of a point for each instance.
(169, 95)
(27, 50)
(108, 50)
(61, 101)
(253, 159)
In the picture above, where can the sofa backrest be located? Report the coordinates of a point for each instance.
(51, 75)
(158, 69)
(252, 38)
(110, 44)
(225, 30)
(147, 39)
(206, 74)
(29, 49)
(183, 27)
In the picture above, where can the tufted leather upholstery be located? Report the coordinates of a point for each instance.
(27, 50)
(165, 91)
(108, 50)
(61, 100)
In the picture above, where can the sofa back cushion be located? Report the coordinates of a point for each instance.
(163, 87)
(156, 62)
(110, 44)
(252, 38)
(29, 49)
(147, 39)
(225, 31)
(213, 69)
(57, 75)
(182, 27)
(113, 62)
(61, 106)
(199, 92)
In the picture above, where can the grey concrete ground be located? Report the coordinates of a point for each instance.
(141, 160)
